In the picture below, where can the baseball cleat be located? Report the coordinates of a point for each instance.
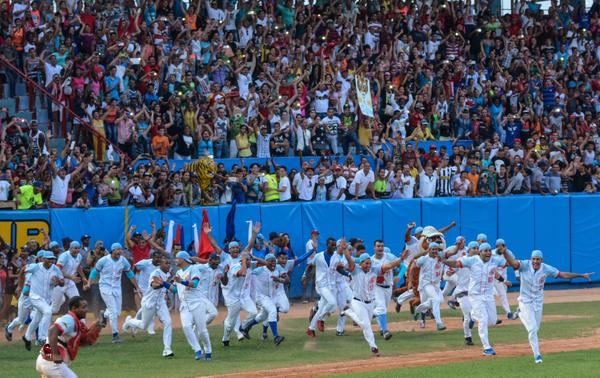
(471, 323)
(103, 319)
(278, 339)
(208, 357)
(7, 334)
(387, 335)
(498, 321)
(375, 352)
(509, 316)
(310, 333)
(489, 352)
(441, 327)
(198, 355)
(451, 305)
(244, 332)
(538, 359)
(398, 307)
(340, 333)
(116, 339)
(380, 332)
(226, 343)
(126, 326)
(468, 341)
(321, 325)
(240, 337)
(167, 352)
(264, 336)
(27, 343)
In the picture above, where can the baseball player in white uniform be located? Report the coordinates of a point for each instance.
(70, 264)
(43, 277)
(430, 276)
(109, 270)
(325, 282)
(343, 292)
(482, 269)
(191, 305)
(266, 280)
(364, 279)
(144, 269)
(383, 286)
(461, 292)
(533, 275)
(501, 283)
(154, 303)
(214, 274)
(449, 277)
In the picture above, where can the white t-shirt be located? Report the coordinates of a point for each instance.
(60, 189)
(427, 184)
(4, 190)
(287, 194)
(361, 182)
(307, 188)
(339, 184)
(51, 71)
(408, 186)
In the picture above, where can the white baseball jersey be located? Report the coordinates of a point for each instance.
(387, 278)
(263, 281)
(481, 277)
(324, 272)
(155, 297)
(462, 280)
(68, 263)
(145, 268)
(460, 253)
(238, 286)
(337, 259)
(40, 280)
(532, 281)
(431, 271)
(189, 297)
(209, 281)
(363, 284)
(502, 271)
(110, 271)
(412, 247)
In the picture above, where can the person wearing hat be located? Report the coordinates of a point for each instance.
(482, 270)
(191, 305)
(266, 279)
(429, 283)
(69, 262)
(533, 273)
(364, 275)
(453, 252)
(144, 268)
(410, 251)
(209, 283)
(30, 196)
(107, 273)
(308, 276)
(501, 283)
(383, 289)
(461, 293)
(154, 303)
(43, 276)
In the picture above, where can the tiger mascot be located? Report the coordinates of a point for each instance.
(203, 170)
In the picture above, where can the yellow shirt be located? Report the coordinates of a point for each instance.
(28, 198)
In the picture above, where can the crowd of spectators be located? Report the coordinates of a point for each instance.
(239, 79)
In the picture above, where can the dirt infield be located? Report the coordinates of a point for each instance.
(423, 359)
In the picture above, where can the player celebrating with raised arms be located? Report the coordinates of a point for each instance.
(533, 275)
(429, 283)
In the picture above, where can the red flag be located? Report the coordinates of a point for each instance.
(205, 247)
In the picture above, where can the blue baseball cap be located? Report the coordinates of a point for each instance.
(49, 255)
(233, 244)
(485, 246)
(418, 230)
(74, 244)
(362, 257)
(537, 253)
(459, 238)
(473, 244)
(482, 237)
(338, 242)
(53, 244)
(40, 254)
(184, 256)
(500, 242)
(434, 245)
(260, 237)
(115, 246)
(270, 256)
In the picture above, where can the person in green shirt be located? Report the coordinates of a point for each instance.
(380, 186)
(113, 181)
(30, 196)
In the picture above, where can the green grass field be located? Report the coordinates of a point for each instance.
(141, 356)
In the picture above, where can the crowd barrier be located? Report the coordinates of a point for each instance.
(565, 227)
(294, 162)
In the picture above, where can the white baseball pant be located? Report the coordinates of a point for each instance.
(531, 317)
(407, 295)
(484, 311)
(362, 313)
(211, 311)
(42, 316)
(382, 298)
(23, 311)
(344, 297)
(49, 369)
(148, 312)
(327, 304)
(113, 301)
(233, 315)
(268, 309)
(500, 290)
(451, 282)
(282, 302)
(58, 294)
(431, 298)
(191, 317)
(466, 307)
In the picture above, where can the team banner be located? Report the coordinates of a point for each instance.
(363, 92)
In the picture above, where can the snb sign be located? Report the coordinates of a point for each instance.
(16, 233)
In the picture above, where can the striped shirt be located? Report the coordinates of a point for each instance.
(444, 183)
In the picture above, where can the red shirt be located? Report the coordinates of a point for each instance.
(140, 253)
